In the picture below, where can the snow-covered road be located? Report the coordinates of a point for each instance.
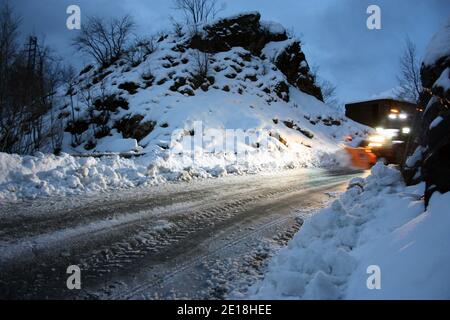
(203, 239)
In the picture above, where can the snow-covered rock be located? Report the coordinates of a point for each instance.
(433, 147)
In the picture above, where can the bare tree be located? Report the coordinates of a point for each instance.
(198, 12)
(105, 41)
(410, 85)
(55, 78)
(9, 32)
(177, 27)
(70, 84)
(329, 93)
(202, 63)
(328, 89)
(28, 81)
(9, 25)
(140, 49)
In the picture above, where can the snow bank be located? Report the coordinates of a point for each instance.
(49, 175)
(380, 222)
(414, 258)
(45, 175)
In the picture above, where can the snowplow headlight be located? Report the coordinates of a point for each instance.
(393, 116)
(377, 139)
(406, 130)
(375, 145)
(387, 133)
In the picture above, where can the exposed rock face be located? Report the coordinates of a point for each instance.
(248, 32)
(435, 131)
(133, 127)
(292, 62)
(282, 91)
(433, 154)
(241, 31)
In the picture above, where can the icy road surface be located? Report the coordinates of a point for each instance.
(203, 239)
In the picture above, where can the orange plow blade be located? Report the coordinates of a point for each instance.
(361, 158)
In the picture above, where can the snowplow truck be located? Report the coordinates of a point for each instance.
(392, 123)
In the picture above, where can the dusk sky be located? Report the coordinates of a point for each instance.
(360, 62)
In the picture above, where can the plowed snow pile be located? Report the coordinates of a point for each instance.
(377, 223)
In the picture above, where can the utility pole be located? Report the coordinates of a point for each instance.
(32, 53)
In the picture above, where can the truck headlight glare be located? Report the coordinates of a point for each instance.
(377, 139)
(375, 145)
(393, 116)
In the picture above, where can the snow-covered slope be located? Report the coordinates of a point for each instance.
(378, 223)
(245, 112)
(153, 96)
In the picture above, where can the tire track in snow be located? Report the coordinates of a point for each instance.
(131, 246)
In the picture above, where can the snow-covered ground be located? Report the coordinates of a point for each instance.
(43, 175)
(378, 224)
(195, 240)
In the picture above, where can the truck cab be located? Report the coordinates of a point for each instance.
(392, 122)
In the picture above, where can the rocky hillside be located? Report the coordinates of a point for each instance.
(238, 97)
(431, 160)
(235, 73)
(248, 32)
